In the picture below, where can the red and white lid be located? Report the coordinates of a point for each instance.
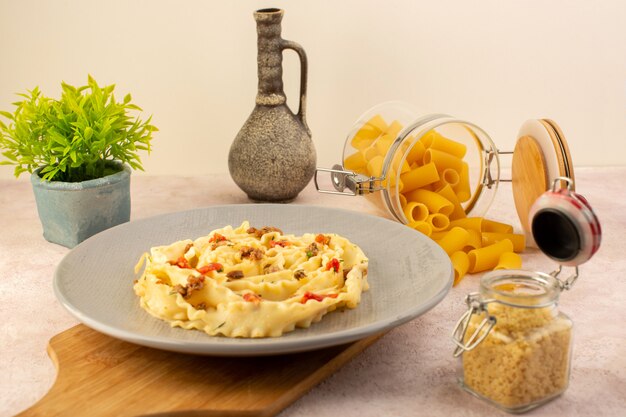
(564, 226)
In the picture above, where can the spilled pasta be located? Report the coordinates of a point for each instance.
(432, 181)
(248, 282)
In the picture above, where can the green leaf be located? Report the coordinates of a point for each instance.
(7, 115)
(88, 133)
(127, 98)
(58, 138)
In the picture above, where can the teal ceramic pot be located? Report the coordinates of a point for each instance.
(70, 212)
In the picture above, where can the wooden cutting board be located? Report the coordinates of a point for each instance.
(102, 376)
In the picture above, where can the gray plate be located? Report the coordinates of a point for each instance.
(408, 275)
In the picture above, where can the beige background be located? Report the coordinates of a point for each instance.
(192, 65)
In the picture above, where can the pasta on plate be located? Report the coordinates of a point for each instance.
(248, 282)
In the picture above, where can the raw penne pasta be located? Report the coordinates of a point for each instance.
(375, 166)
(444, 144)
(474, 223)
(457, 212)
(442, 160)
(383, 143)
(438, 221)
(406, 143)
(509, 260)
(518, 240)
(450, 176)
(423, 227)
(429, 180)
(454, 240)
(370, 152)
(487, 257)
(394, 128)
(419, 177)
(435, 202)
(438, 235)
(402, 199)
(415, 212)
(370, 130)
(361, 143)
(460, 263)
(462, 189)
(416, 153)
(496, 227)
(355, 162)
(400, 185)
(427, 138)
(474, 241)
(397, 161)
(390, 179)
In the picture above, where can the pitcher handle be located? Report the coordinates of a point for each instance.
(303, 80)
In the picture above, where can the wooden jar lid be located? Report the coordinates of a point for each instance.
(540, 156)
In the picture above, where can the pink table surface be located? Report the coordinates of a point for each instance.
(409, 372)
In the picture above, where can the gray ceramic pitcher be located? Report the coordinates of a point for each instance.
(273, 157)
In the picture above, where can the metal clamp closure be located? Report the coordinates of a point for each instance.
(356, 184)
(475, 306)
(568, 283)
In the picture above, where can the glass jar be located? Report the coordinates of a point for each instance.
(514, 343)
(391, 155)
(387, 140)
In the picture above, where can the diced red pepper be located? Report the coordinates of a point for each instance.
(333, 264)
(181, 262)
(217, 238)
(323, 239)
(317, 297)
(213, 266)
(252, 298)
(281, 243)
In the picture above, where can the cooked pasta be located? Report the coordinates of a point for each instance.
(245, 282)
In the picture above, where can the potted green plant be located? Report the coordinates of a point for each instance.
(80, 150)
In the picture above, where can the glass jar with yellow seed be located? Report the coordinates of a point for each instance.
(515, 343)
(439, 175)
